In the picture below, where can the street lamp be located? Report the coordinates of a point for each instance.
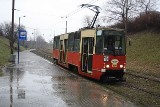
(19, 35)
(20, 21)
(66, 24)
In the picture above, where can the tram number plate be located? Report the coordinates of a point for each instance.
(114, 65)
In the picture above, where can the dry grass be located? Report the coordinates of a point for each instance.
(1, 72)
(4, 51)
(143, 56)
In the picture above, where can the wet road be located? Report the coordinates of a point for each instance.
(35, 82)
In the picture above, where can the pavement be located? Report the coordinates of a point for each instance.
(36, 82)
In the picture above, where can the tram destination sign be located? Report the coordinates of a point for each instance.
(22, 35)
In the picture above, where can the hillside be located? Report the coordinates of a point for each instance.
(143, 56)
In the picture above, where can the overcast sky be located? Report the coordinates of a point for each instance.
(45, 15)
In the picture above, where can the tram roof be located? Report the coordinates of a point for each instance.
(98, 28)
(115, 29)
(102, 28)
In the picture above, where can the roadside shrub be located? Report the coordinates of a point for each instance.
(149, 21)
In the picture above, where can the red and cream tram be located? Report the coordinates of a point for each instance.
(98, 53)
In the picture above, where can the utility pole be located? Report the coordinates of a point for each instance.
(12, 37)
(126, 17)
(66, 23)
(34, 34)
(66, 26)
(18, 37)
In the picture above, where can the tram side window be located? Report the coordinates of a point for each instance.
(99, 45)
(61, 45)
(76, 42)
(91, 44)
(71, 42)
(76, 45)
(56, 43)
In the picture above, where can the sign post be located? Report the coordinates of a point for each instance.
(22, 35)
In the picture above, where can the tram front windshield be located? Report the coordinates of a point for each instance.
(110, 42)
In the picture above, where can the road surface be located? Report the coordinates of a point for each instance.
(36, 82)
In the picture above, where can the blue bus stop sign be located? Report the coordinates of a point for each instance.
(22, 35)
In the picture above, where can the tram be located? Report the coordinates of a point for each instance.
(98, 53)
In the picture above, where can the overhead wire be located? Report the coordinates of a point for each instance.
(75, 11)
(65, 16)
(79, 9)
(70, 14)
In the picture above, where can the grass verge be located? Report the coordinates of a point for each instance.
(1, 73)
(143, 56)
(4, 51)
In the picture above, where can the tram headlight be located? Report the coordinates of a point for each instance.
(107, 66)
(121, 66)
(106, 58)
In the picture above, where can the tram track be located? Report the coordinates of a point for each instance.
(152, 79)
(48, 56)
(125, 84)
(140, 89)
(145, 77)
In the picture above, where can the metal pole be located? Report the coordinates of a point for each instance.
(18, 37)
(66, 25)
(19, 28)
(34, 39)
(13, 2)
(126, 16)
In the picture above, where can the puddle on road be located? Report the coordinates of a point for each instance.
(45, 85)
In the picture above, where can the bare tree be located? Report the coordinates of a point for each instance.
(120, 10)
(87, 20)
(6, 29)
(7, 32)
(50, 44)
(40, 42)
(147, 5)
(1, 30)
(31, 43)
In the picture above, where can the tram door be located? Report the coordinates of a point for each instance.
(65, 49)
(61, 51)
(87, 54)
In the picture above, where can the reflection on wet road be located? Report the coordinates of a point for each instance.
(37, 83)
